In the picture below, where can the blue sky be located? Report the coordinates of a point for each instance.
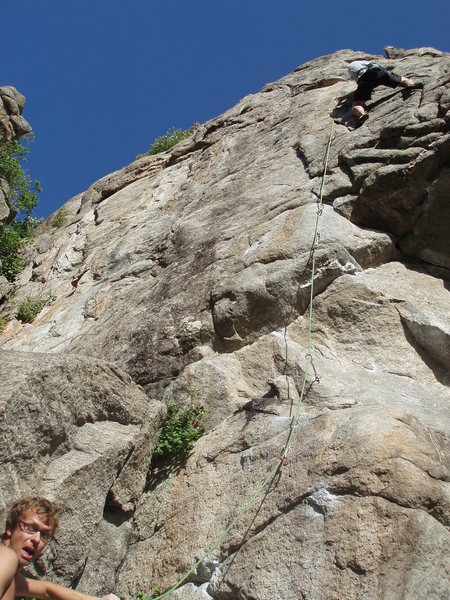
(104, 78)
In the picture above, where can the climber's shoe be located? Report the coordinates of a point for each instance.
(416, 86)
(362, 119)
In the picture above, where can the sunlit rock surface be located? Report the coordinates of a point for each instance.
(191, 270)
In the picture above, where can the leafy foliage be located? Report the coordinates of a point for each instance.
(23, 195)
(28, 309)
(166, 141)
(180, 430)
(142, 596)
(59, 219)
(22, 189)
(2, 324)
(11, 242)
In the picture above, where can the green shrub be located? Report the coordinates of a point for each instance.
(166, 141)
(11, 241)
(2, 324)
(142, 596)
(22, 194)
(180, 430)
(28, 309)
(22, 191)
(59, 219)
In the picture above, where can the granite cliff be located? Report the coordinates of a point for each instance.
(192, 269)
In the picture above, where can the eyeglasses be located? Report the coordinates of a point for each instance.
(31, 529)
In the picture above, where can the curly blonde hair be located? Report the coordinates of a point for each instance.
(45, 508)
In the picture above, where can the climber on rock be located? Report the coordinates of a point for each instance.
(369, 75)
(30, 524)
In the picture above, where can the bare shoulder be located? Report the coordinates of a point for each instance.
(8, 560)
(8, 570)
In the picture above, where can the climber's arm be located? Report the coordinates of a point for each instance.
(46, 590)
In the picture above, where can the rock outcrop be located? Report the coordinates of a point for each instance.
(12, 126)
(192, 269)
(82, 432)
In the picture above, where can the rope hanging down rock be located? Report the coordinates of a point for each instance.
(281, 460)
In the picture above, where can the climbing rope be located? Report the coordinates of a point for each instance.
(311, 296)
(282, 459)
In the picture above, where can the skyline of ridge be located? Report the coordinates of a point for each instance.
(103, 81)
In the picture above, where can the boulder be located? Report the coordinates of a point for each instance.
(12, 124)
(82, 433)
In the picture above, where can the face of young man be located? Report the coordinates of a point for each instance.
(29, 538)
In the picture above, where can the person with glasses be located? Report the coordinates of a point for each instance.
(30, 524)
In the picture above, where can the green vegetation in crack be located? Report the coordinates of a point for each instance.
(59, 220)
(29, 308)
(166, 141)
(180, 430)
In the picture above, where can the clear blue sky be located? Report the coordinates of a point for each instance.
(104, 78)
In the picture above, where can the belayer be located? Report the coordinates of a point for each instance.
(370, 75)
(30, 524)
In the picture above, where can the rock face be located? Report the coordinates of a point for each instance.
(192, 270)
(81, 432)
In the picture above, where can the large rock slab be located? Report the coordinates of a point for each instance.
(356, 508)
(376, 407)
(82, 433)
(231, 210)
